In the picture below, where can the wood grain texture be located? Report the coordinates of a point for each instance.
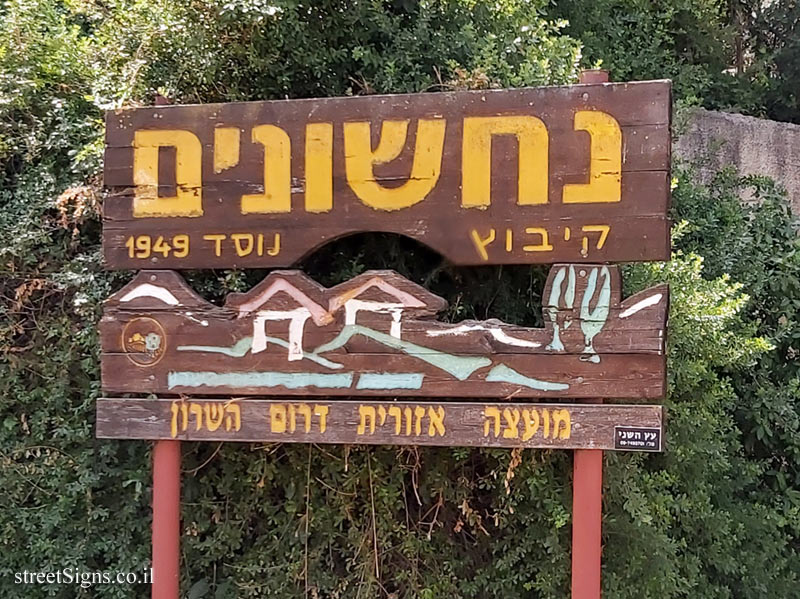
(503, 231)
(376, 335)
(444, 423)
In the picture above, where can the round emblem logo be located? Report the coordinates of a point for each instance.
(144, 341)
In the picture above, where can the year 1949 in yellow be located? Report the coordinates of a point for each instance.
(144, 246)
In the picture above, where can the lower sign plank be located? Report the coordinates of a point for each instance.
(556, 426)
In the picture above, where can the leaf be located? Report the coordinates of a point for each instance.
(198, 590)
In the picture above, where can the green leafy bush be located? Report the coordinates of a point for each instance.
(741, 56)
(758, 245)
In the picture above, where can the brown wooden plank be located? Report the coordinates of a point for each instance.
(643, 150)
(651, 235)
(442, 423)
(376, 335)
(638, 222)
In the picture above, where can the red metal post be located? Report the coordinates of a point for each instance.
(587, 509)
(166, 519)
(593, 76)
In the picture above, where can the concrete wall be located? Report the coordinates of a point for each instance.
(754, 146)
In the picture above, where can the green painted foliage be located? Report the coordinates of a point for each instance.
(714, 517)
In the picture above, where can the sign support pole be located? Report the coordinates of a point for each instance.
(166, 508)
(166, 519)
(587, 490)
(587, 502)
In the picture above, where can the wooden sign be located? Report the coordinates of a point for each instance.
(555, 174)
(553, 426)
(376, 335)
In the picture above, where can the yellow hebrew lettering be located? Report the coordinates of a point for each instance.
(512, 423)
(381, 415)
(188, 200)
(364, 413)
(409, 422)
(494, 413)
(276, 245)
(360, 160)
(436, 418)
(242, 250)
(322, 412)
(476, 164)
(544, 246)
(546, 417)
(232, 409)
(602, 229)
(277, 196)
(480, 244)
(419, 413)
(395, 413)
(184, 416)
(319, 167)
(197, 410)
(215, 414)
(217, 239)
(173, 427)
(605, 161)
(530, 420)
(305, 410)
(292, 418)
(226, 148)
(561, 417)
(277, 418)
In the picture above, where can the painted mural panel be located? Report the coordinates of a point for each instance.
(377, 335)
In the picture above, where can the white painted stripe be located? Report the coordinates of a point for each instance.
(499, 334)
(459, 330)
(503, 337)
(641, 305)
(150, 290)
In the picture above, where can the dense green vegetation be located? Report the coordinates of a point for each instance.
(717, 516)
(741, 55)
